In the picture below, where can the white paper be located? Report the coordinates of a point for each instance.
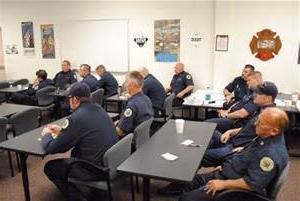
(169, 157)
(187, 142)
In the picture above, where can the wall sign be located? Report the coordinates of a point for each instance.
(196, 39)
(265, 44)
(140, 40)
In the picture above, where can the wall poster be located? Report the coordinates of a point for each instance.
(167, 40)
(28, 38)
(48, 41)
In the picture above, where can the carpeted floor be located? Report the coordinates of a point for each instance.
(42, 189)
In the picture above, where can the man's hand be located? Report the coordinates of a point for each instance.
(225, 137)
(45, 131)
(214, 185)
(54, 129)
(223, 113)
(238, 149)
(180, 95)
(218, 169)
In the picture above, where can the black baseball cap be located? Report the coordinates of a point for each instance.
(267, 88)
(79, 89)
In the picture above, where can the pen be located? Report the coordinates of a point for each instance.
(194, 145)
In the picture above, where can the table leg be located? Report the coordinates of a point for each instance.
(146, 189)
(23, 158)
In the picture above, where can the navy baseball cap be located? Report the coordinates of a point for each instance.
(79, 89)
(267, 88)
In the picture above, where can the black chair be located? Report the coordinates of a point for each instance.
(3, 85)
(98, 96)
(244, 195)
(3, 137)
(112, 158)
(20, 82)
(167, 112)
(45, 101)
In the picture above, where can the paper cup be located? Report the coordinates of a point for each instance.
(179, 125)
(19, 87)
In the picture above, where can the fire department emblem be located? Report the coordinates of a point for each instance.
(265, 44)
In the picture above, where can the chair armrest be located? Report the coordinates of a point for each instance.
(240, 194)
(102, 171)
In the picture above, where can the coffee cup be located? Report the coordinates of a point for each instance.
(179, 125)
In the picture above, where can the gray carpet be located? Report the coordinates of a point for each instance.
(42, 189)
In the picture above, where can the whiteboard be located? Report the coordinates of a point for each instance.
(96, 42)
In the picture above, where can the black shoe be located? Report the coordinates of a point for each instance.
(171, 189)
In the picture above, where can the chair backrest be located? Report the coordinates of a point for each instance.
(168, 105)
(27, 120)
(97, 96)
(142, 133)
(3, 124)
(20, 82)
(4, 85)
(273, 189)
(117, 154)
(42, 96)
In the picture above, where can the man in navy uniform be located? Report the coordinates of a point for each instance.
(89, 132)
(65, 77)
(254, 169)
(138, 108)
(239, 86)
(240, 112)
(154, 90)
(107, 82)
(88, 78)
(182, 84)
(28, 97)
(233, 140)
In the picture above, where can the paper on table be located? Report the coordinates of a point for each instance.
(169, 157)
(187, 142)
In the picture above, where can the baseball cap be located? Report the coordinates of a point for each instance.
(267, 88)
(79, 89)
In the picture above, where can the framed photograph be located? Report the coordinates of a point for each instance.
(222, 42)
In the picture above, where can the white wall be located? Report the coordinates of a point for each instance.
(195, 17)
(1, 45)
(241, 20)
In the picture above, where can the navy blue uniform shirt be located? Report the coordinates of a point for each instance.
(42, 84)
(89, 130)
(155, 91)
(109, 83)
(90, 80)
(239, 87)
(63, 79)
(180, 82)
(260, 164)
(138, 109)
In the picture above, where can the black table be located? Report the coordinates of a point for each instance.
(7, 109)
(29, 144)
(206, 106)
(59, 93)
(13, 89)
(148, 163)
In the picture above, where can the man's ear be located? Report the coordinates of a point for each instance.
(274, 131)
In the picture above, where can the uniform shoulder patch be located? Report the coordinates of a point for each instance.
(128, 112)
(266, 164)
(188, 76)
(65, 124)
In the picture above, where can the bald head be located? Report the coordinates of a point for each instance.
(144, 71)
(179, 67)
(271, 122)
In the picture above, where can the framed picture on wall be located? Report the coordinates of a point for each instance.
(222, 42)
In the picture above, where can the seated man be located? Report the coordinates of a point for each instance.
(138, 108)
(182, 84)
(238, 86)
(254, 169)
(240, 112)
(65, 77)
(88, 78)
(89, 132)
(154, 90)
(28, 97)
(233, 140)
(107, 82)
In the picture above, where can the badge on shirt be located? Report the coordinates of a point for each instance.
(128, 112)
(188, 76)
(65, 124)
(266, 164)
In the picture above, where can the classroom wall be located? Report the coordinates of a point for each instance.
(241, 20)
(194, 16)
(1, 45)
